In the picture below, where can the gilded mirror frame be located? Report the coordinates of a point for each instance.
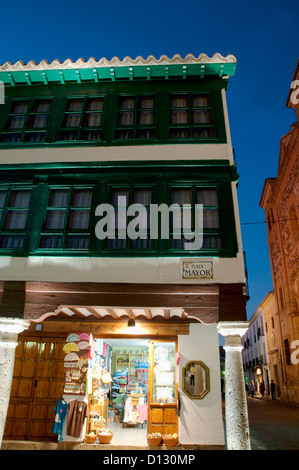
(187, 387)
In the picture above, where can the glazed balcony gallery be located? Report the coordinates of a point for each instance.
(147, 113)
(52, 208)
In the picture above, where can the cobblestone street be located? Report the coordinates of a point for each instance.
(274, 425)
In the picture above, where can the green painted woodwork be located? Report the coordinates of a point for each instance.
(111, 92)
(98, 74)
(102, 177)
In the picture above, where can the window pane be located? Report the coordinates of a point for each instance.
(35, 136)
(92, 119)
(16, 220)
(179, 101)
(140, 244)
(126, 118)
(211, 242)
(210, 218)
(78, 242)
(95, 104)
(182, 196)
(146, 102)
(41, 106)
(179, 133)
(146, 117)
(200, 100)
(201, 133)
(72, 120)
(58, 198)
(143, 196)
(20, 107)
(2, 198)
(180, 116)
(50, 241)
(12, 241)
(11, 138)
(116, 193)
(207, 197)
(125, 134)
(20, 198)
(38, 121)
(117, 244)
(55, 219)
(69, 135)
(82, 198)
(75, 105)
(79, 219)
(91, 135)
(16, 122)
(145, 134)
(201, 116)
(127, 102)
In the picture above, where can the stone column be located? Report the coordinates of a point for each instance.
(9, 330)
(236, 414)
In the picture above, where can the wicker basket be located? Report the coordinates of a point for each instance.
(170, 442)
(105, 438)
(154, 441)
(90, 439)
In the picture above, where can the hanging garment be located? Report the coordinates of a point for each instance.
(142, 408)
(128, 415)
(76, 414)
(60, 414)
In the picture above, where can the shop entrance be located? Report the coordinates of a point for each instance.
(140, 395)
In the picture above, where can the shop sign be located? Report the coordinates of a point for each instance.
(197, 269)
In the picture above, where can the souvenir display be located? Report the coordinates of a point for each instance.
(77, 349)
(164, 373)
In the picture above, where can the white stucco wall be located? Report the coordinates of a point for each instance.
(135, 270)
(119, 153)
(201, 421)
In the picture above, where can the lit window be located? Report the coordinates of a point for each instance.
(188, 197)
(14, 207)
(67, 220)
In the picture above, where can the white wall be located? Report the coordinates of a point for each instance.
(118, 153)
(201, 421)
(136, 270)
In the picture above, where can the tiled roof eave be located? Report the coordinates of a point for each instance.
(114, 69)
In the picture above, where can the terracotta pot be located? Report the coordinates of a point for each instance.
(170, 442)
(90, 439)
(104, 438)
(154, 441)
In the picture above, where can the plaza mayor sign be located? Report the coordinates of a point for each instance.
(197, 269)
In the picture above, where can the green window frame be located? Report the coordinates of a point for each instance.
(66, 225)
(27, 121)
(133, 194)
(191, 195)
(14, 211)
(136, 117)
(191, 116)
(82, 119)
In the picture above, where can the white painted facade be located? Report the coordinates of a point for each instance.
(255, 352)
(200, 421)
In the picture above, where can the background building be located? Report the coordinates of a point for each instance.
(255, 352)
(280, 200)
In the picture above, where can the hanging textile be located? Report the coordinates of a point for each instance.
(76, 414)
(128, 415)
(60, 414)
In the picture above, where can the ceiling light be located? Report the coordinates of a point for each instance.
(131, 323)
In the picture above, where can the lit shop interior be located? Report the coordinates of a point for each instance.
(128, 385)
